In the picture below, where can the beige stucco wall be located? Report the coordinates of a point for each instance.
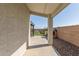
(70, 34)
(13, 27)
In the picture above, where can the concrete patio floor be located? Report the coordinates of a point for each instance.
(38, 46)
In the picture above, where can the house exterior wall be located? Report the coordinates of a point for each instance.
(70, 34)
(13, 27)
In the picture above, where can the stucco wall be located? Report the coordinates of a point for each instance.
(13, 27)
(70, 34)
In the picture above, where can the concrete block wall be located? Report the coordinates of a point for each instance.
(13, 27)
(70, 34)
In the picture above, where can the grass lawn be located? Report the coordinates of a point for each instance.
(38, 33)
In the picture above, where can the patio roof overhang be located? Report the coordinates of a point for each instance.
(45, 9)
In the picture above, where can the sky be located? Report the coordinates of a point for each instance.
(39, 22)
(67, 17)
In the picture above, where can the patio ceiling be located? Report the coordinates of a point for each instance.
(45, 9)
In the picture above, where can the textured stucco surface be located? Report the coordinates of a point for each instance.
(13, 27)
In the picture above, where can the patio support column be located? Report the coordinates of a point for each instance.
(50, 30)
(28, 31)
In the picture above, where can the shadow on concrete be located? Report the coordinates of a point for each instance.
(38, 46)
(44, 37)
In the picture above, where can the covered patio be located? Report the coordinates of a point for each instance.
(38, 45)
